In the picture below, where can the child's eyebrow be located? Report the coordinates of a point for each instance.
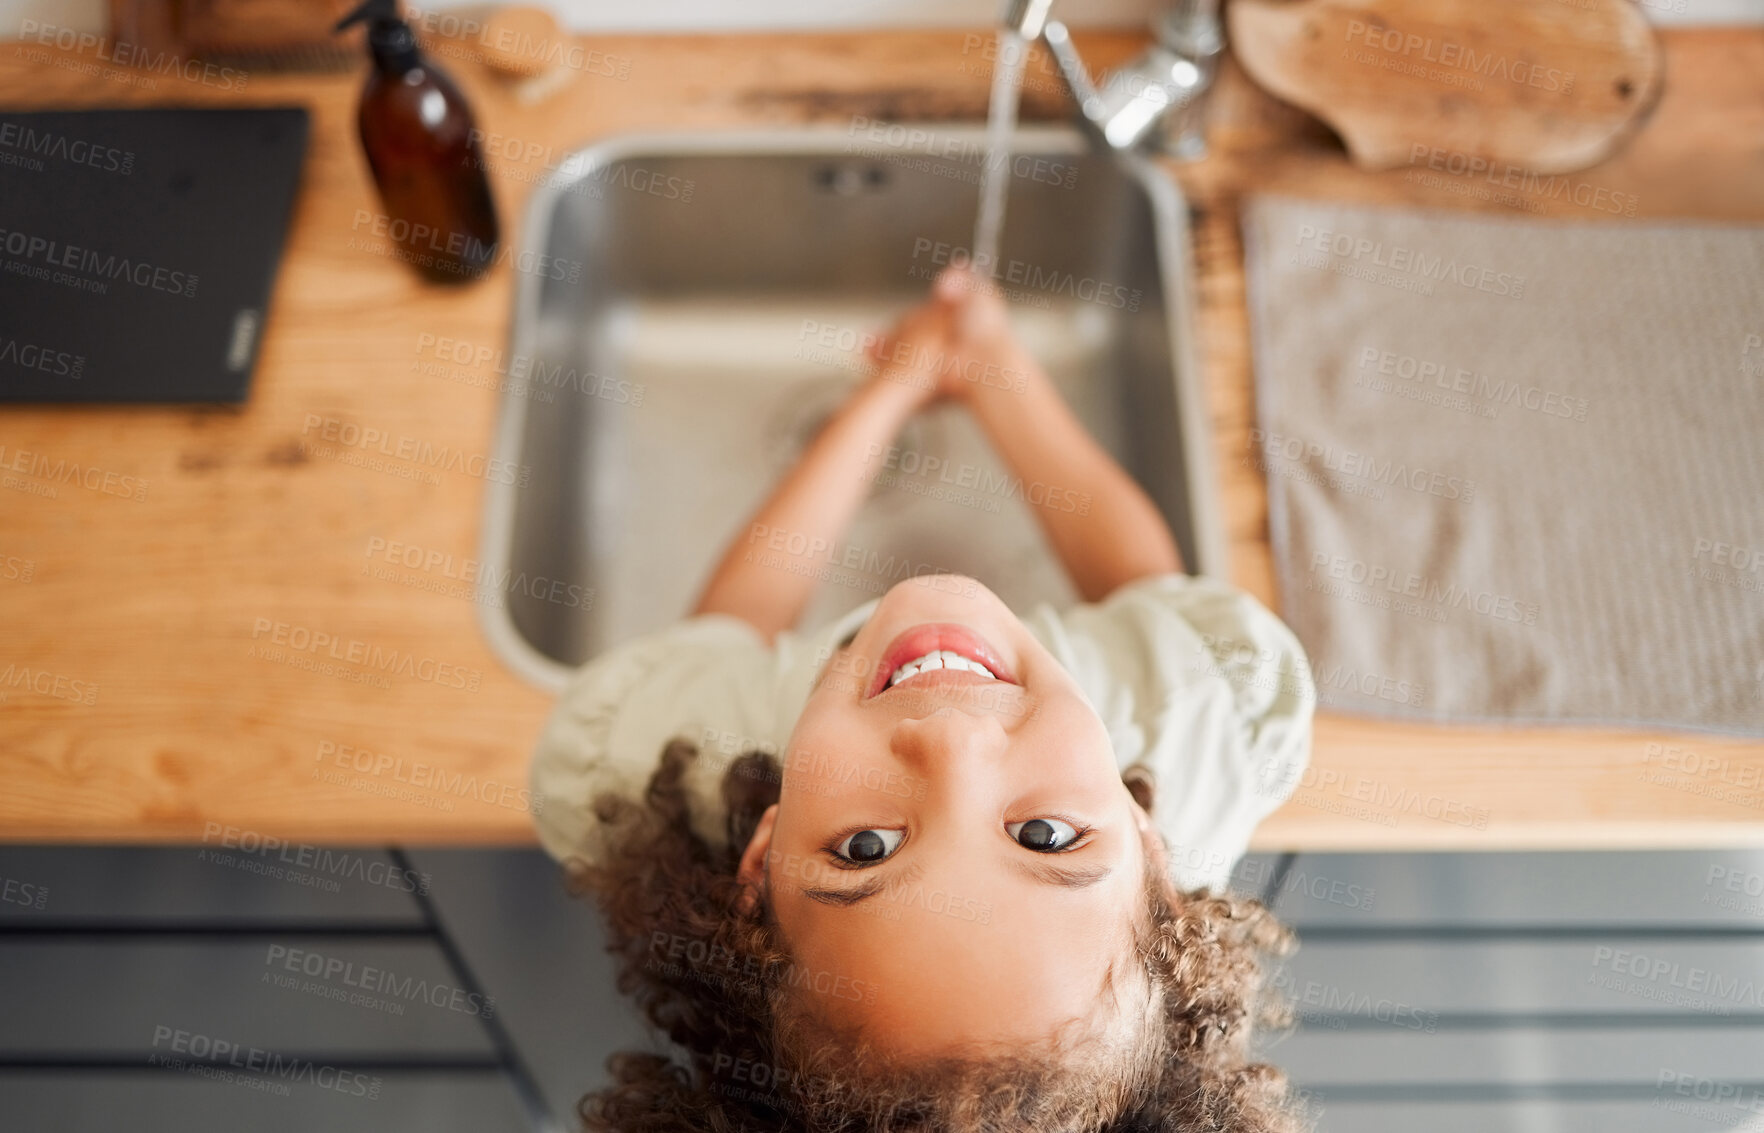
(845, 898)
(1045, 873)
(1049, 874)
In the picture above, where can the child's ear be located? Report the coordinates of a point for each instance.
(752, 870)
(1139, 784)
(1151, 838)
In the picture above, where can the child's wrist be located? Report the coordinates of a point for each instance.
(1009, 372)
(898, 383)
(899, 391)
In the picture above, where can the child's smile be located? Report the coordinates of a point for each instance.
(938, 647)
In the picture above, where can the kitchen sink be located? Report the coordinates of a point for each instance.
(692, 306)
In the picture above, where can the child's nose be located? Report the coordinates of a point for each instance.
(950, 740)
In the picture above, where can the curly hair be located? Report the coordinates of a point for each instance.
(714, 976)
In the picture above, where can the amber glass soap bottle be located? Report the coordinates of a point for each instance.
(422, 147)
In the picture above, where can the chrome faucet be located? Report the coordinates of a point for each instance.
(1157, 101)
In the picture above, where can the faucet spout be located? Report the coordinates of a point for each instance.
(1155, 102)
(1027, 17)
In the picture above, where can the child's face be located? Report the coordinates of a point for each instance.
(954, 860)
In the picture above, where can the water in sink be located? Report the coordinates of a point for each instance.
(731, 390)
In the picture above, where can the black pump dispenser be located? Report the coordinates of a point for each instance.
(389, 38)
(422, 146)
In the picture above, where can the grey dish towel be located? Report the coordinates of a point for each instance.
(1515, 468)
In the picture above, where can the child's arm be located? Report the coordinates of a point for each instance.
(1120, 535)
(814, 503)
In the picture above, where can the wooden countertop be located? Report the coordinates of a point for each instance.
(138, 699)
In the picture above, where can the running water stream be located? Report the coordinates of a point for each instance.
(1001, 123)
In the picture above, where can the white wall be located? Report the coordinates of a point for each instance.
(748, 15)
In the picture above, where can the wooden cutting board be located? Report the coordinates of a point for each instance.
(1551, 85)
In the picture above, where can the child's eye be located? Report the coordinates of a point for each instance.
(1043, 835)
(869, 846)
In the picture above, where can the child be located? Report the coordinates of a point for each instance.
(972, 873)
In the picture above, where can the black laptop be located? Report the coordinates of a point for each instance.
(138, 249)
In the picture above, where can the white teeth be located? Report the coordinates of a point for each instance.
(938, 659)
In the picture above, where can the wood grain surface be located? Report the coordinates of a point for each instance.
(1553, 86)
(144, 694)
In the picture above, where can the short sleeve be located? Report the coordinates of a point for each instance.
(709, 680)
(1207, 696)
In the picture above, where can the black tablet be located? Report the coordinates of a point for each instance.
(138, 249)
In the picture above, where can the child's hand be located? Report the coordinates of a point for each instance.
(955, 343)
(909, 354)
(980, 322)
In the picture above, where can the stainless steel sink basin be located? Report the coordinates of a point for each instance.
(701, 309)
